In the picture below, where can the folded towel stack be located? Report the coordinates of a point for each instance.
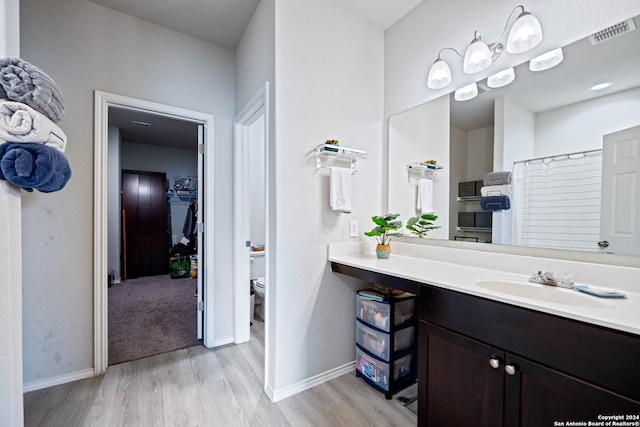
(496, 191)
(31, 144)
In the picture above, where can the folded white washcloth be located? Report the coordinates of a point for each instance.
(425, 196)
(340, 189)
(21, 123)
(496, 190)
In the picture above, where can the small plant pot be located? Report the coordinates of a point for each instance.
(383, 251)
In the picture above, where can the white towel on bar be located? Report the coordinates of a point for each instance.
(495, 190)
(340, 190)
(21, 123)
(425, 196)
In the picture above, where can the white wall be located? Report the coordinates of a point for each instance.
(255, 65)
(329, 86)
(11, 406)
(173, 162)
(113, 202)
(413, 43)
(84, 46)
(580, 126)
(419, 134)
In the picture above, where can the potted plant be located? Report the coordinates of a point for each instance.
(420, 225)
(385, 224)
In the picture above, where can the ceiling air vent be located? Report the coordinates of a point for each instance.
(613, 31)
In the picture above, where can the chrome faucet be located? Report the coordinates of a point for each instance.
(547, 278)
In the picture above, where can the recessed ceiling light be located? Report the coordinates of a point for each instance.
(600, 86)
(142, 124)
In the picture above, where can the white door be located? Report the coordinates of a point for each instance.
(619, 224)
(201, 272)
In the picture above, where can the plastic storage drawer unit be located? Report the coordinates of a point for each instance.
(379, 314)
(378, 343)
(377, 372)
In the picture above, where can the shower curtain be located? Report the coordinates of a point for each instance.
(556, 202)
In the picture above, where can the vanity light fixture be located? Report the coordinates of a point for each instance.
(546, 60)
(525, 33)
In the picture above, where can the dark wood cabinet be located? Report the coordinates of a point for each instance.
(486, 363)
(471, 383)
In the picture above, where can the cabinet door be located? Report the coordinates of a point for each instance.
(539, 396)
(459, 387)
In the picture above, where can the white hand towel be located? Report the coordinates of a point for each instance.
(21, 123)
(425, 196)
(340, 190)
(495, 190)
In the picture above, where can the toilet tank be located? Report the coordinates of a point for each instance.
(258, 266)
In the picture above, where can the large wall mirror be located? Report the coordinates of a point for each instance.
(541, 127)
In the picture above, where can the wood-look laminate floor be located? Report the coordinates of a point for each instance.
(208, 387)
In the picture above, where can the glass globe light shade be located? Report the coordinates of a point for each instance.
(439, 75)
(525, 34)
(546, 60)
(502, 78)
(477, 57)
(466, 93)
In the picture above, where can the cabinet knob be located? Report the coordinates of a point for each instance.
(510, 369)
(494, 362)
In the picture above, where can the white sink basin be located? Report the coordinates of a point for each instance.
(544, 293)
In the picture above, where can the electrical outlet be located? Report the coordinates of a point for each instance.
(353, 228)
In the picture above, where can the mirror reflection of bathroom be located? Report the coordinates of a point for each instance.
(257, 223)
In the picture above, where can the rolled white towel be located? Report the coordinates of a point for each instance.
(21, 123)
(496, 190)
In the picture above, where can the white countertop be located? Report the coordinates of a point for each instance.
(460, 270)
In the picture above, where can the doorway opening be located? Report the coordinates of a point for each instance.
(253, 252)
(152, 237)
(156, 202)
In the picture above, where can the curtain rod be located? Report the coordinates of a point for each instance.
(559, 155)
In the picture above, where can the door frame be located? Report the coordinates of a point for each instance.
(102, 102)
(257, 106)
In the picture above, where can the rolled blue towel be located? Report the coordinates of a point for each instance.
(24, 82)
(31, 165)
(497, 178)
(495, 203)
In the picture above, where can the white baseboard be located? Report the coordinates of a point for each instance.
(60, 379)
(284, 392)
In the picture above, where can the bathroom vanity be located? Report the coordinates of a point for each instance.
(497, 351)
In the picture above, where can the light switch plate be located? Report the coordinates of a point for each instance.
(353, 228)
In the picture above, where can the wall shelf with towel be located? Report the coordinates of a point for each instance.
(419, 170)
(332, 155)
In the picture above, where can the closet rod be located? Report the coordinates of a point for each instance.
(559, 155)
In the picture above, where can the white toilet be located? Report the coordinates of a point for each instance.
(258, 272)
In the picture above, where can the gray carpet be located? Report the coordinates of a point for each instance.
(151, 315)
